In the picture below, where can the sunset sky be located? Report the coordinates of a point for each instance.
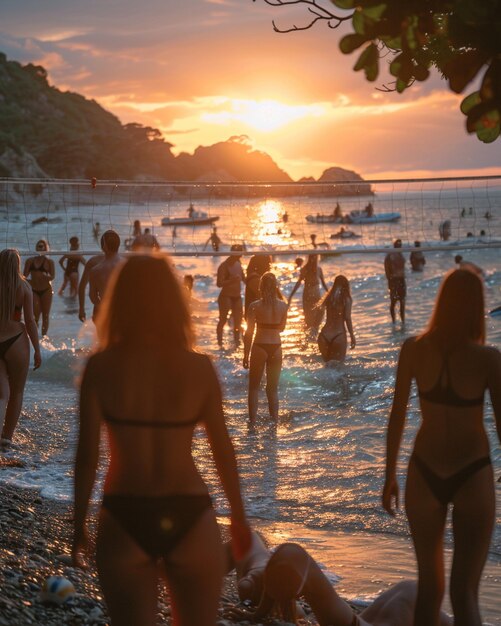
(204, 70)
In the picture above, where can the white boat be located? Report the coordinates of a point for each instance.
(361, 217)
(321, 218)
(195, 218)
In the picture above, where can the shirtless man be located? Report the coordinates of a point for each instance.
(230, 277)
(110, 243)
(394, 268)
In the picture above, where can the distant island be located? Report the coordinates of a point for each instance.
(46, 133)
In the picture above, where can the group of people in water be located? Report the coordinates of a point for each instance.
(150, 389)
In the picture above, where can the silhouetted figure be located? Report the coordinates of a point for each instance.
(444, 230)
(73, 260)
(417, 258)
(146, 241)
(312, 276)
(394, 267)
(259, 264)
(337, 302)
(96, 231)
(230, 277)
(337, 211)
(214, 240)
(40, 271)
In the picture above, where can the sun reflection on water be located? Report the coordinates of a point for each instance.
(269, 224)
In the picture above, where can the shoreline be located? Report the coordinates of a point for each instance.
(35, 534)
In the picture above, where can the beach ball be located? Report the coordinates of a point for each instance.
(57, 590)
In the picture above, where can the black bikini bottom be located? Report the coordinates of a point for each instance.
(157, 523)
(330, 342)
(5, 345)
(41, 292)
(269, 348)
(444, 489)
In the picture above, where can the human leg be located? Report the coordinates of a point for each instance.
(36, 307)
(402, 309)
(237, 314)
(17, 359)
(46, 303)
(63, 286)
(273, 370)
(393, 303)
(427, 518)
(473, 521)
(188, 574)
(256, 369)
(73, 284)
(224, 305)
(128, 576)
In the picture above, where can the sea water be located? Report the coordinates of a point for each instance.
(316, 475)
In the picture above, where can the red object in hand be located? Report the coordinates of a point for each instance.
(241, 539)
(93, 182)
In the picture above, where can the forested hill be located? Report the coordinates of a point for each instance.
(45, 132)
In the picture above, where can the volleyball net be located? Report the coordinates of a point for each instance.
(207, 218)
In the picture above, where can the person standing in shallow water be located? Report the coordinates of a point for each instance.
(311, 274)
(450, 462)
(151, 390)
(394, 268)
(15, 300)
(230, 277)
(268, 317)
(40, 271)
(332, 338)
(73, 260)
(259, 264)
(417, 258)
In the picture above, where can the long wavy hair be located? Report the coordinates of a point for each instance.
(143, 302)
(458, 316)
(269, 291)
(10, 279)
(311, 265)
(338, 294)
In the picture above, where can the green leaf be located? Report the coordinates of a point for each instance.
(374, 12)
(369, 62)
(469, 102)
(463, 68)
(358, 22)
(421, 72)
(344, 4)
(394, 43)
(401, 85)
(351, 42)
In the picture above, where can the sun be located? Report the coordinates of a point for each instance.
(262, 115)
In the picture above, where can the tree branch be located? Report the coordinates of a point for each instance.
(320, 12)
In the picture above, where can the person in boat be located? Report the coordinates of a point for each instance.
(369, 210)
(450, 463)
(191, 211)
(73, 261)
(230, 277)
(280, 577)
(332, 341)
(16, 300)
(40, 271)
(313, 238)
(259, 264)
(312, 276)
(417, 258)
(337, 211)
(150, 390)
(394, 267)
(267, 317)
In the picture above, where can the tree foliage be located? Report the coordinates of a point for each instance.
(461, 38)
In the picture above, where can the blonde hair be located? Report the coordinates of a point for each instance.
(145, 300)
(10, 279)
(268, 289)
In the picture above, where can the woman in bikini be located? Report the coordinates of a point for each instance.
(312, 276)
(151, 390)
(40, 271)
(15, 300)
(450, 463)
(259, 264)
(267, 316)
(73, 260)
(332, 341)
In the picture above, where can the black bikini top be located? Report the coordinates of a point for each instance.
(150, 424)
(443, 393)
(264, 325)
(40, 268)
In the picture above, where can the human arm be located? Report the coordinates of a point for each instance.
(52, 270)
(81, 292)
(349, 323)
(86, 459)
(295, 288)
(396, 425)
(249, 333)
(322, 279)
(31, 326)
(226, 465)
(61, 261)
(494, 386)
(27, 268)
